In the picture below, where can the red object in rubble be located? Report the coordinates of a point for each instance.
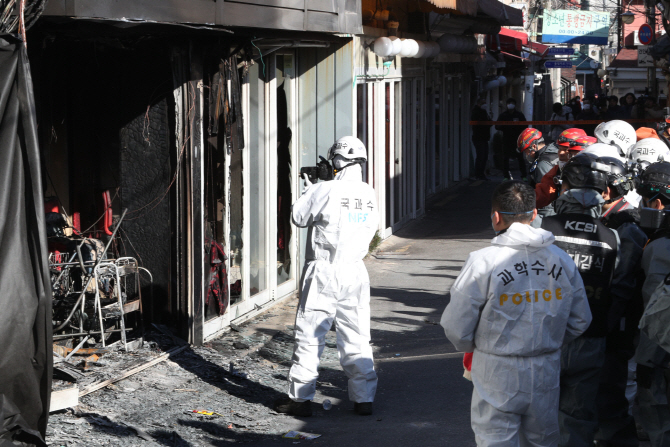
(76, 222)
(106, 222)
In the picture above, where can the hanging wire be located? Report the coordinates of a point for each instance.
(22, 21)
(157, 200)
(261, 53)
(10, 20)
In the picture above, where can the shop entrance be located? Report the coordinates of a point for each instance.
(257, 191)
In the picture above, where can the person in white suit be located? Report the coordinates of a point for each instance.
(342, 218)
(514, 304)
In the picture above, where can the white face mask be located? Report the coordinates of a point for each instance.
(484, 107)
(339, 162)
(510, 106)
(561, 164)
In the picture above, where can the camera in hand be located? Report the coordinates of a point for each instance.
(654, 219)
(663, 126)
(322, 171)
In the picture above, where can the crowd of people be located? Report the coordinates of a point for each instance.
(566, 316)
(606, 108)
(613, 108)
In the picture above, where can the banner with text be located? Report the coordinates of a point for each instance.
(573, 26)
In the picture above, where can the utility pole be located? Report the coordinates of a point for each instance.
(584, 48)
(529, 76)
(652, 85)
(619, 26)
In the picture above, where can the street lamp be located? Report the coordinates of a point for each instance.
(627, 17)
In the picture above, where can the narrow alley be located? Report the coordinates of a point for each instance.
(193, 191)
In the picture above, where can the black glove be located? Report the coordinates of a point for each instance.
(643, 376)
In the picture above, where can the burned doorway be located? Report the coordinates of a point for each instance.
(106, 122)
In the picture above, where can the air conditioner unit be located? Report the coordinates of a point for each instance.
(594, 53)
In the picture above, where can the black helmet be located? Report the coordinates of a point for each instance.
(655, 180)
(618, 177)
(584, 171)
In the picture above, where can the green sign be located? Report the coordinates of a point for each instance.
(576, 26)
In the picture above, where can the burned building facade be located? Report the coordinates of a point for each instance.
(187, 117)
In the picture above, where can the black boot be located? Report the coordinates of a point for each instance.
(287, 406)
(363, 408)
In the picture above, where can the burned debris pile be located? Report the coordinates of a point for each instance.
(195, 396)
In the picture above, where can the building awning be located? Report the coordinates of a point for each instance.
(536, 48)
(504, 14)
(339, 16)
(627, 58)
(512, 41)
(468, 7)
(516, 42)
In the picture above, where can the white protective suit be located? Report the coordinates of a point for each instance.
(342, 217)
(514, 304)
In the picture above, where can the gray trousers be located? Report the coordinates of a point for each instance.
(654, 411)
(581, 365)
(616, 425)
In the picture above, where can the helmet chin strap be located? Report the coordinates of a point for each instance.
(359, 162)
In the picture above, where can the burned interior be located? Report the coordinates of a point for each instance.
(117, 119)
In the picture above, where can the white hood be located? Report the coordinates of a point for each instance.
(519, 235)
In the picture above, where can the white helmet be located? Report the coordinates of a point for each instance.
(604, 150)
(617, 133)
(350, 148)
(649, 150)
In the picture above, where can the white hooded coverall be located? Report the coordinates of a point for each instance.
(514, 304)
(342, 217)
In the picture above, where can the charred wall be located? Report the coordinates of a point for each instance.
(145, 180)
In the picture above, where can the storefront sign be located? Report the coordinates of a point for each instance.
(573, 26)
(561, 51)
(558, 64)
(644, 58)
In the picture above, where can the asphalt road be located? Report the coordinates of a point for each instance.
(422, 398)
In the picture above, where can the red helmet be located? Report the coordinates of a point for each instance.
(581, 143)
(565, 138)
(528, 138)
